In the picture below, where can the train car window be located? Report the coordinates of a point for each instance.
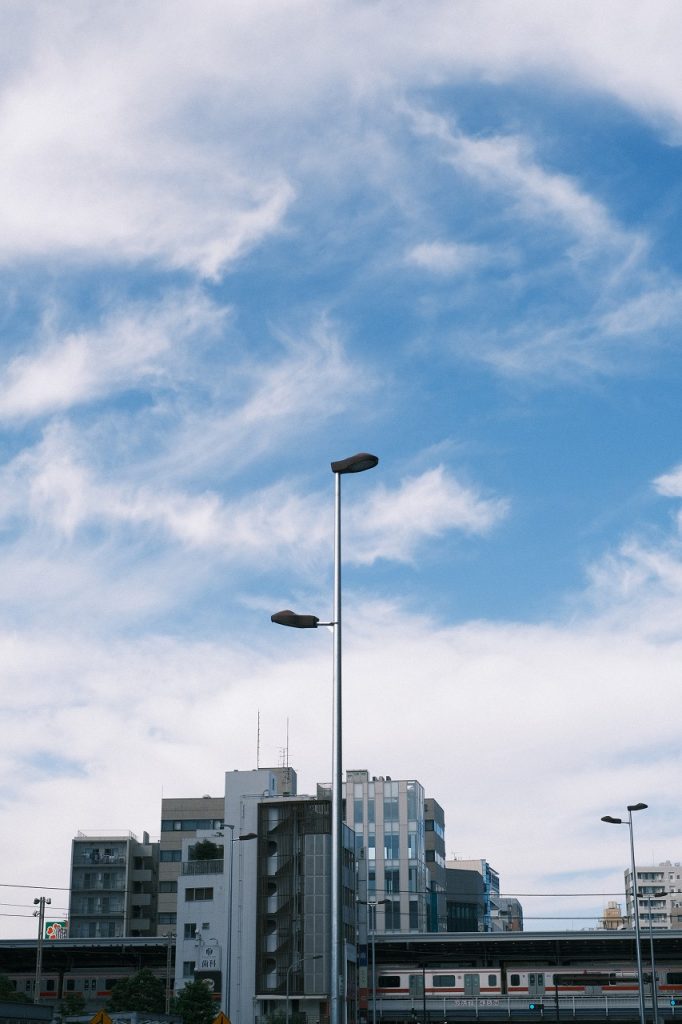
(492, 980)
(444, 981)
(70, 985)
(388, 981)
(49, 985)
(674, 978)
(514, 979)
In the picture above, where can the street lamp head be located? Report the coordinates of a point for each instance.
(612, 821)
(355, 463)
(289, 618)
(248, 835)
(637, 807)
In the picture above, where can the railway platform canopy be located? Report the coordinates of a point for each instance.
(495, 949)
(58, 955)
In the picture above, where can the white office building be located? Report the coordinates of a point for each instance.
(659, 891)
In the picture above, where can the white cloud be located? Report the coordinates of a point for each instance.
(447, 257)
(180, 140)
(392, 524)
(133, 346)
(670, 484)
(507, 164)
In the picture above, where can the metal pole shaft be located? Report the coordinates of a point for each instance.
(654, 985)
(286, 1005)
(168, 972)
(228, 980)
(640, 975)
(39, 950)
(374, 964)
(337, 957)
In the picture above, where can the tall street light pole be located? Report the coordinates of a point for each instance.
(337, 986)
(372, 905)
(640, 976)
(228, 980)
(654, 983)
(40, 902)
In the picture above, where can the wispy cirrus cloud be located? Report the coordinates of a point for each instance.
(507, 164)
(134, 345)
(54, 487)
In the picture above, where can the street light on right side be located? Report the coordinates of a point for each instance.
(621, 821)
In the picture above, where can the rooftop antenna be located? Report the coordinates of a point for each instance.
(258, 742)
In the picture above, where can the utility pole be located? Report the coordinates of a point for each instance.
(40, 902)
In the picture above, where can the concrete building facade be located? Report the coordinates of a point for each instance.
(659, 891)
(113, 887)
(182, 819)
(388, 819)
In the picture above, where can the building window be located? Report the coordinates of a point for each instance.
(414, 915)
(190, 824)
(391, 846)
(392, 915)
(357, 811)
(190, 931)
(370, 810)
(168, 886)
(390, 808)
(170, 856)
(371, 847)
(188, 968)
(392, 880)
(168, 918)
(201, 893)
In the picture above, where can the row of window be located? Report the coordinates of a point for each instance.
(190, 824)
(199, 893)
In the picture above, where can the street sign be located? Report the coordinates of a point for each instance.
(101, 1018)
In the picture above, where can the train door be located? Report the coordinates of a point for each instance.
(472, 984)
(417, 986)
(536, 985)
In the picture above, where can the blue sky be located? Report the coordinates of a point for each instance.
(239, 241)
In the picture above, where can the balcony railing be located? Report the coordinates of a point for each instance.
(203, 867)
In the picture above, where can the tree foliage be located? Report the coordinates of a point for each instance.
(73, 1004)
(8, 993)
(206, 850)
(142, 991)
(195, 1004)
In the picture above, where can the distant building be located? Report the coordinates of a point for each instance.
(387, 816)
(434, 844)
(114, 884)
(612, 918)
(473, 901)
(181, 818)
(659, 891)
(506, 913)
(253, 898)
(464, 898)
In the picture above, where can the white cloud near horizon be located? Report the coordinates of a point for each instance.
(553, 702)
